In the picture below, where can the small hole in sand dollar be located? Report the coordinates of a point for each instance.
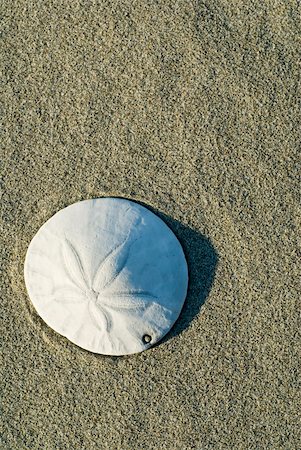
(146, 339)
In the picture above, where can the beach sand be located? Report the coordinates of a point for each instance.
(193, 109)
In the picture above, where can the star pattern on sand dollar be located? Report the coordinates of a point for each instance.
(99, 295)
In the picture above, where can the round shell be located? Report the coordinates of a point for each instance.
(108, 274)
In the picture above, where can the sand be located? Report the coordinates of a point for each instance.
(193, 109)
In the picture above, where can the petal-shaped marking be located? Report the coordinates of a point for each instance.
(74, 265)
(127, 300)
(112, 265)
(100, 317)
(116, 259)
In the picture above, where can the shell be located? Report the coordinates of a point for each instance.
(108, 274)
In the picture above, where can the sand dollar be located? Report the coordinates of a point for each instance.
(108, 274)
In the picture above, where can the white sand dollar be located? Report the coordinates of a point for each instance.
(108, 274)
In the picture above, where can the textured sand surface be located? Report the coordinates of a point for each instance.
(192, 108)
